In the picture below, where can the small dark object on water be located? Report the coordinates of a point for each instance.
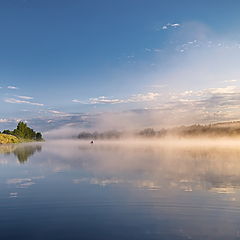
(91, 142)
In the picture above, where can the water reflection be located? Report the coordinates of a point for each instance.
(121, 190)
(21, 151)
(148, 166)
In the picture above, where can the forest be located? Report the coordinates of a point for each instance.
(228, 129)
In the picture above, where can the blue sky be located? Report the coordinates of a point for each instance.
(62, 57)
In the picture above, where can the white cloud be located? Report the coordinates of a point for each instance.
(224, 90)
(170, 25)
(58, 113)
(159, 86)
(230, 81)
(78, 101)
(148, 49)
(12, 87)
(55, 112)
(151, 96)
(3, 120)
(105, 100)
(18, 101)
(25, 97)
(175, 25)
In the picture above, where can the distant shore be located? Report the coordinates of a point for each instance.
(217, 130)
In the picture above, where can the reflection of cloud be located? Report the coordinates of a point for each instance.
(98, 181)
(23, 182)
(26, 184)
(148, 184)
(18, 180)
(13, 195)
(171, 164)
(187, 165)
(223, 190)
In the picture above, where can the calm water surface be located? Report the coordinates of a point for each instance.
(119, 190)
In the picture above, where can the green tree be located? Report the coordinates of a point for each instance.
(25, 132)
(7, 132)
(39, 136)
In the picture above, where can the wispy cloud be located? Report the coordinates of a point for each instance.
(230, 81)
(18, 101)
(105, 100)
(171, 25)
(3, 120)
(205, 43)
(78, 101)
(154, 50)
(24, 97)
(158, 86)
(151, 96)
(161, 110)
(174, 25)
(99, 100)
(12, 87)
(58, 113)
(55, 112)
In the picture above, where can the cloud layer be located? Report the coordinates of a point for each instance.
(18, 101)
(150, 96)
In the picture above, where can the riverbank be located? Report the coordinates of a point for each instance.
(6, 138)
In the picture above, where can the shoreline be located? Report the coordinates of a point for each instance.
(11, 139)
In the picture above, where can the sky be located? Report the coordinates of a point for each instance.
(145, 62)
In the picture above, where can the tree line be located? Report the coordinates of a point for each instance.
(22, 131)
(196, 130)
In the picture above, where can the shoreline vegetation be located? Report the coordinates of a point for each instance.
(22, 133)
(216, 130)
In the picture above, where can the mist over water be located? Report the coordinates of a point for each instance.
(127, 189)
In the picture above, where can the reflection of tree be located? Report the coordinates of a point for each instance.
(24, 152)
(21, 151)
(7, 148)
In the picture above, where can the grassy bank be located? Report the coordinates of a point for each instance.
(6, 138)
